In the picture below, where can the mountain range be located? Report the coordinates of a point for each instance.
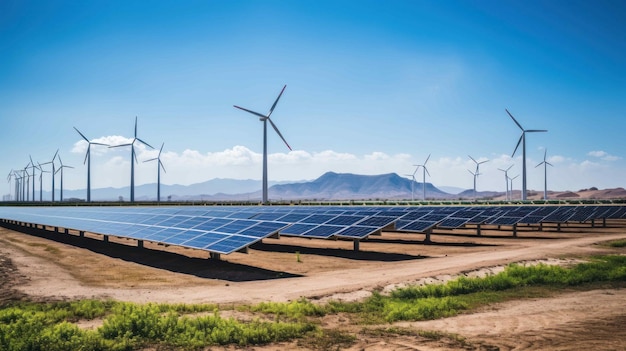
(329, 186)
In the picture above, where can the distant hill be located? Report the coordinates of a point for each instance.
(347, 186)
(329, 186)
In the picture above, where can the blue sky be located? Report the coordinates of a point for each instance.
(372, 87)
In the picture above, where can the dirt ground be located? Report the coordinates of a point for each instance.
(44, 266)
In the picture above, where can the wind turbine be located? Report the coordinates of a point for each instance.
(53, 171)
(413, 182)
(511, 180)
(545, 173)
(18, 181)
(41, 172)
(425, 170)
(264, 118)
(506, 180)
(159, 166)
(475, 174)
(9, 178)
(88, 160)
(133, 159)
(61, 170)
(27, 183)
(522, 140)
(33, 175)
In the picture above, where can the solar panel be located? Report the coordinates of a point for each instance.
(317, 219)
(377, 221)
(263, 229)
(297, 229)
(504, 220)
(357, 232)
(212, 224)
(345, 220)
(236, 226)
(323, 231)
(452, 223)
(230, 244)
(204, 240)
(419, 226)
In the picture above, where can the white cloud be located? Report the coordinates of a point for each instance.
(605, 156)
(597, 153)
(112, 167)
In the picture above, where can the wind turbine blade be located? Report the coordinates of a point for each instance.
(160, 150)
(472, 159)
(61, 162)
(135, 154)
(277, 131)
(81, 134)
(87, 153)
(143, 142)
(426, 169)
(518, 142)
(161, 164)
(135, 127)
(514, 120)
(540, 163)
(536, 130)
(250, 111)
(545, 152)
(275, 102)
(152, 159)
(427, 158)
(549, 164)
(55, 155)
(112, 146)
(481, 162)
(93, 143)
(509, 168)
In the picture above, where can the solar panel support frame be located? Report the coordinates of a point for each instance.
(428, 232)
(215, 256)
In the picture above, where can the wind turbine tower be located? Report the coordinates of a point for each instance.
(522, 140)
(133, 159)
(424, 171)
(413, 182)
(545, 173)
(159, 166)
(511, 180)
(88, 160)
(264, 118)
(506, 180)
(9, 178)
(33, 166)
(61, 170)
(53, 171)
(475, 174)
(41, 172)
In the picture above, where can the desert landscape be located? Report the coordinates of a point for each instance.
(58, 267)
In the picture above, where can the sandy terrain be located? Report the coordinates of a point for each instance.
(70, 267)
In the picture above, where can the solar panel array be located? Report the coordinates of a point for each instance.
(228, 229)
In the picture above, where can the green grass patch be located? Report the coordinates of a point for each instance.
(129, 326)
(616, 243)
(516, 281)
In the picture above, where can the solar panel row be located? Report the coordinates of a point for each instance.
(229, 229)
